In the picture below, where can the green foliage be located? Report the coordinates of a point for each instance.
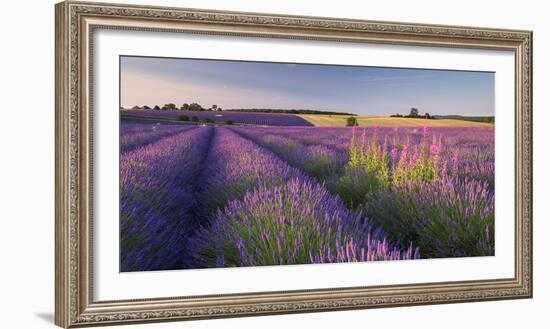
(195, 118)
(351, 122)
(195, 107)
(370, 170)
(183, 117)
(321, 166)
(208, 120)
(370, 159)
(366, 172)
(229, 122)
(169, 106)
(425, 170)
(353, 187)
(414, 112)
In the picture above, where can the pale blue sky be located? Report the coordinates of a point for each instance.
(355, 89)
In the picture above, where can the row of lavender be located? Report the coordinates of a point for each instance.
(432, 188)
(157, 200)
(134, 134)
(267, 119)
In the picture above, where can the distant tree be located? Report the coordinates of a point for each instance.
(351, 122)
(208, 120)
(145, 107)
(427, 115)
(195, 107)
(183, 118)
(414, 112)
(214, 107)
(194, 119)
(136, 107)
(185, 107)
(156, 108)
(169, 106)
(219, 108)
(229, 122)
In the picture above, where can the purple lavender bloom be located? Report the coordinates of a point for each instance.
(446, 218)
(317, 160)
(136, 134)
(306, 223)
(237, 165)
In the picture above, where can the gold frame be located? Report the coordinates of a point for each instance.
(75, 23)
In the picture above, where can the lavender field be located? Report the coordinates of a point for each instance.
(202, 196)
(267, 119)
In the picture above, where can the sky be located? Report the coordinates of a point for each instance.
(354, 89)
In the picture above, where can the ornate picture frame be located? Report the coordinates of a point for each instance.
(75, 24)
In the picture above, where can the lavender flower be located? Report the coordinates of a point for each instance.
(306, 224)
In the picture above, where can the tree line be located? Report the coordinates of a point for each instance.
(290, 111)
(174, 107)
(414, 113)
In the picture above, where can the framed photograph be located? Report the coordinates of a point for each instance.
(217, 164)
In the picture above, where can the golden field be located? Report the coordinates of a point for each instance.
(366, 121)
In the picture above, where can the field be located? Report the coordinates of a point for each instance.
(372, 121)
(271, 119)
(200, 196)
